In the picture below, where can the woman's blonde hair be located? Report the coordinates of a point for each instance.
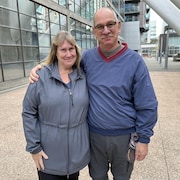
(60, 37)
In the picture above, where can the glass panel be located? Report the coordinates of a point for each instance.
(92, 10)
(63, 19)
(44, 53)
(30, 53)
(54, 29)
(63, 22)
(71, 6)
(131, 7)
(26, 7)
(12, 5)
(9, 18)
(77, 9)
(13, 71)
(83, 28)
(56, 1)
(43, 26)
(9, 36)
(64, 28)
(62, 3)
(84, 41)
(88, 43)
(116, 4)
(29, 66)
(33, 24)
(79, 43)
(72, 26)
(80, 26)
(29, 38)
(42, 12)
(44, 40)
(78, 2)
(54, 17)
(28, 23)
(78, 35)
(11, 54)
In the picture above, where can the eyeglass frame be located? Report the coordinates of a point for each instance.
(109, 25)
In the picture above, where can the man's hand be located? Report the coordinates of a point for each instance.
(33, 76)
(38, 159)
(141, 151)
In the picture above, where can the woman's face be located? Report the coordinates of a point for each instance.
(66, 54)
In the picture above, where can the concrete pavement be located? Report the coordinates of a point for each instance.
(162, 162)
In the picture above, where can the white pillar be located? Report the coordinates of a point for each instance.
(168, 11)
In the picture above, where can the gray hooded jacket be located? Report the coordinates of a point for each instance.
(55, 120)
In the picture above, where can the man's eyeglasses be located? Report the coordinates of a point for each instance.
(109, 25)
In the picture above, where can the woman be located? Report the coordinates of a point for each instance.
(55, 112)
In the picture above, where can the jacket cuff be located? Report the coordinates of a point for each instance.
(144, 140)
(35, 151)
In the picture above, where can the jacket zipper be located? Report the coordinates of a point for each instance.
(71, 101)
(71, 96)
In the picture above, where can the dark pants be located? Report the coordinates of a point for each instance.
(44, 176)
(109, 153)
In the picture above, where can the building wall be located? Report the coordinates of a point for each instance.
(136, 22)
(28, 26)
(131, 34)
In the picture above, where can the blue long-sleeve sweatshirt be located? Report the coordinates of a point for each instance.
(122, 98)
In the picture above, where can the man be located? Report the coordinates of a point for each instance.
(123, 105)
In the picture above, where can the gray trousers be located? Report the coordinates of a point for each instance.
(109, 152)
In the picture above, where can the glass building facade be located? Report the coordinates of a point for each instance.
(27, 28)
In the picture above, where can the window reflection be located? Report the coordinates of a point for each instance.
(27, 22)
(63, 22)
(55, 1)
(9, 18)
(42, 12)
(13, 71)
(26, 35)
(11, 54)
(29, 38)
(28, 67)
(83, 34)
(26, 7)
(43, 52)
(30, 53)
(9, 4)
(62, 2)
(54, 28)
(54, 17)
(44, 40)
(43, 26)
(9, 36)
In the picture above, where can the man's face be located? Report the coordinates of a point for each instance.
(106, 29)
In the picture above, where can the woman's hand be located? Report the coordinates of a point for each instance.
(38, 159)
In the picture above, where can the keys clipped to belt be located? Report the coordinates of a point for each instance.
(132, 147)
